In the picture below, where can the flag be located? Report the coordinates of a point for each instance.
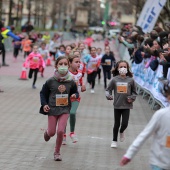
(150, 14)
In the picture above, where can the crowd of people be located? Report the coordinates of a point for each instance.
(77, 65)
(153, 48)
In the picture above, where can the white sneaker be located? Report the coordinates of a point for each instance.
(113, 144)
(122, 137)
(92, 91)
(73, 137)
(64, 140)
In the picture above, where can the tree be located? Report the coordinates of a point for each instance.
(10, 12)
(138, 5)
(55, 9)
(0, 10)
(164, 16)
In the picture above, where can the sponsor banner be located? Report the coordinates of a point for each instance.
(149, 14)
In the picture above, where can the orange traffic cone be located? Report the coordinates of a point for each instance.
(23, 73)
(48, 62)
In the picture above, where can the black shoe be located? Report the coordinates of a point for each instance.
(33, 86)
(5, 64)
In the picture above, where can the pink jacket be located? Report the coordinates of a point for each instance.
(34, 60)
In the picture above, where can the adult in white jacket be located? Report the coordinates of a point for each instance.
(159, 127)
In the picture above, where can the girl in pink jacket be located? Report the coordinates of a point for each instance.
(34, 61)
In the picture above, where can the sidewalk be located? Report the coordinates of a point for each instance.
(21, 129)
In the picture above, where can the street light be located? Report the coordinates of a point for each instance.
(104, 4)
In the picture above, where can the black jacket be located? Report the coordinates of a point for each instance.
(49, 92)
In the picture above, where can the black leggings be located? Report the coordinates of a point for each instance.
(107, 75)
(26, 53)
(35, 71)
(118, 113)
(16, 52)
(99, 73)
(3, 53)
(91, 78)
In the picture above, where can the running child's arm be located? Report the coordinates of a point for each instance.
(133, 91)
(149, 130)
(113, 61)
(27, 60)
(86, 59)
(109, 90)
(44, 95)
(82, 84)
(74, 91)
(103, 60)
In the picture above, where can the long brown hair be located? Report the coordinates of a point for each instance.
(115, 71)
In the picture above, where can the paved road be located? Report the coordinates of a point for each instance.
(21, 129)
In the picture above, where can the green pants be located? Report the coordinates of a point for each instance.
(74, 106)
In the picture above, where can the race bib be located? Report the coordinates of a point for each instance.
(122, 87)
(61, 99)
(93, 65)
(168, 141)
(35, 59)
(108, 62)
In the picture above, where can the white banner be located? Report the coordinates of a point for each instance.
(149, 14)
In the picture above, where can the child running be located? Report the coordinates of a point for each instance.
(26, 45)
(74, 65)
(107, 63)
(124, 95)
(17, 47)
(60, 52)
(44, 53)
(35, 61)
(99, 55)
(68, 50)
(55, 102)
(93, 62)
(82, 67)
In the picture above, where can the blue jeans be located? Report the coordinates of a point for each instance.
(154, 167)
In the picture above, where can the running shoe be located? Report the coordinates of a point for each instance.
(64, 140)
(73, 137)
(57, 156)
(113, 144)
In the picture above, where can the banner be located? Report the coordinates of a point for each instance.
(149, 14)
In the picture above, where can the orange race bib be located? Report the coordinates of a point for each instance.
(35, 59)
(93, 66)
(168, 142)
(61, 99)
(122, 87)
(108, 62)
